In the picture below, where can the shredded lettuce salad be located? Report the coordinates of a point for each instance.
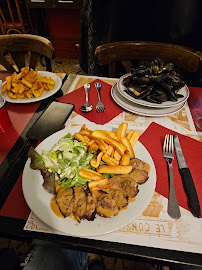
(66, 158)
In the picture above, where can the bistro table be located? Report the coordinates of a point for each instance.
(16, 221)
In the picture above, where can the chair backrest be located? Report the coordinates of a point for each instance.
(111, 53)
(11, 20)
(18, 45)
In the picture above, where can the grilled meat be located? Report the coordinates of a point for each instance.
(125, 183)
(80, 203)
(65, 200)
(140, 176)
(119, 197)
(105, 205)
(90, 207)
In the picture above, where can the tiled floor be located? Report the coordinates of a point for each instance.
(22, 248)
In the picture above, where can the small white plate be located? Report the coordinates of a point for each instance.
(39, 200)
(44, 95)
(142, 110)
(167, 104)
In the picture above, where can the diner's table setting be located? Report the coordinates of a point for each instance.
(145, 229)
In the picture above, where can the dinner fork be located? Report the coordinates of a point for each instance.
(100, 106)
(168, 154)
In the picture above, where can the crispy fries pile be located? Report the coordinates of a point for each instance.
(114, 148)
(27, 84)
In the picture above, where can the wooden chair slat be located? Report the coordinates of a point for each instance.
(6, 64)
(33, 60)
(19, 59)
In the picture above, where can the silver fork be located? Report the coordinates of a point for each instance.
(168, 154)
(100, 106)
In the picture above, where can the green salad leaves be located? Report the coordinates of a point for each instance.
(65, 159)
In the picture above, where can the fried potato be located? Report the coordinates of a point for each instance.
(93, 147)
(122, 130)
(125, 159)
(109, 160)
(89, 174)
(102, 145)
(4, 88)
(134, 138)
(119, 169)
(117, 156)
(99, 184)
(95, 162)
(128, 145)
(8, 83)
(27, 83)
(120, 147)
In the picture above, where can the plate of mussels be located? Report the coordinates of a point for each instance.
(155, 85)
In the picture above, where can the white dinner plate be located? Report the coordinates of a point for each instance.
(39, 200)
(142, 110)
(167, 104)
(45, 94)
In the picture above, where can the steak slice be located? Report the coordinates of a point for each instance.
(119, 196)
(105, 205)
(65, 200)
(80, 203)
(140, 176)
(125, 183)
(90, 207)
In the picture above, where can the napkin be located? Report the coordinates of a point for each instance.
(77, 97)
(153, 139)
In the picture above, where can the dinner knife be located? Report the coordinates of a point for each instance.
(187, 180)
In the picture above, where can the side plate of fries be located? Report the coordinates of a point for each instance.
(38, 199)
(30, 86)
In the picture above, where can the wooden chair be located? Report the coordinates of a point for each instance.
(124, 51)
(18, 45)
(11, 21)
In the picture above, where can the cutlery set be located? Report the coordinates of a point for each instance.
(87, 107)
(171, 142)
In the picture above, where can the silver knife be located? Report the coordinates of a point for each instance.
(187, 180)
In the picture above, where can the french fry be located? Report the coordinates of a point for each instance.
(89, 174)
(125, 159)
(90, 142)
(130, 134)
(8, 83)
(4, 88)
(95, 162)
(25, 82)
(79, 137)
(119, 169)
(128, 145)
(102, 145)
(85, 132)
(134, 138)
(117, 156)
(99, 184)
(93, 148)
(122, 130)
(11, 95)
(109, 150)
(120, 147)
(109, 160)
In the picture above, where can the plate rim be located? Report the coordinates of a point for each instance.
(146, 103)
(31, 100)
(140, 113)
(149, 192)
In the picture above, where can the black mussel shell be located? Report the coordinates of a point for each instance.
(157, 66)
(143, 80)
(161, 96)
(139, 92)
(171, 96)
(153, 98)
(141, 71)
(168, 67)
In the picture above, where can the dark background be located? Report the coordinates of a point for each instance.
(173, 21)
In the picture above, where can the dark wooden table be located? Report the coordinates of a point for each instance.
(11, 166)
